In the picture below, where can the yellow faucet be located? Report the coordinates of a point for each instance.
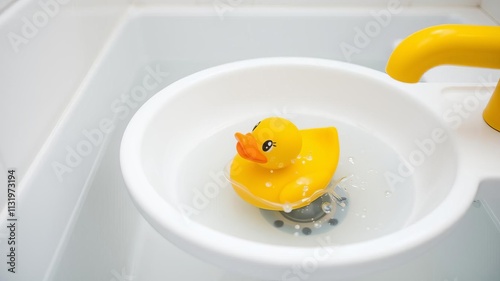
(452, 44)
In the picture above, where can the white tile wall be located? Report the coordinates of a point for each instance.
(46, 49)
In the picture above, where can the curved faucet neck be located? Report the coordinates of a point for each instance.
(450, 44)
(453, 44)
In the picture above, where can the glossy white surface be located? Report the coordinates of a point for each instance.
(95, 232)
(198, 108)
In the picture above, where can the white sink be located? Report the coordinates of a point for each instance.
(407, 185)
(93, 222)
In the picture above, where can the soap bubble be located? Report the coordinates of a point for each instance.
(326, 207)
(287, 208)
(363, 213)
(351, 160)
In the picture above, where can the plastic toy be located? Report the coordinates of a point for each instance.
(279, 167)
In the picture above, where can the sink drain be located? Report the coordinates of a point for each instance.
(324, 213)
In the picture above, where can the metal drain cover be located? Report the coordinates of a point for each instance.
(320, 216)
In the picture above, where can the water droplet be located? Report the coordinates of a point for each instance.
(297, 226)
(303, 161)
(269, 184)
(326, 207)
(309, 157)
(298, 156)
(287, 208)
(317, 224)
(304, 190)
(292, 161)
(271, 171)
(388, 194)
(351, 160)
(303, 181)
(281, 165)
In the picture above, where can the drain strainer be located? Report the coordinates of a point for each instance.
(323, 214)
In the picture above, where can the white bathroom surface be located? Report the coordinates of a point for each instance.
(105, 238)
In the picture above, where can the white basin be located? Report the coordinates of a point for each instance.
(406, 185)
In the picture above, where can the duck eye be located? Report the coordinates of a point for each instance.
(255, 126)
(267, 145)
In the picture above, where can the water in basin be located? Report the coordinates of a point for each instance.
(375, 206)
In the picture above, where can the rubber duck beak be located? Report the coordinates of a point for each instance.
(248, 148)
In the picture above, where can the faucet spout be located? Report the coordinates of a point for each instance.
(454, 44)
(450, 44)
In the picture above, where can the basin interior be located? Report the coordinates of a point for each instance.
(399, 159)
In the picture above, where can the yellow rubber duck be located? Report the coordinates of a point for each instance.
(279, 167)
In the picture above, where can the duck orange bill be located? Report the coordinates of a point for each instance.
(248, 148)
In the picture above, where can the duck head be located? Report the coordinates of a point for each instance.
(273, 143)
